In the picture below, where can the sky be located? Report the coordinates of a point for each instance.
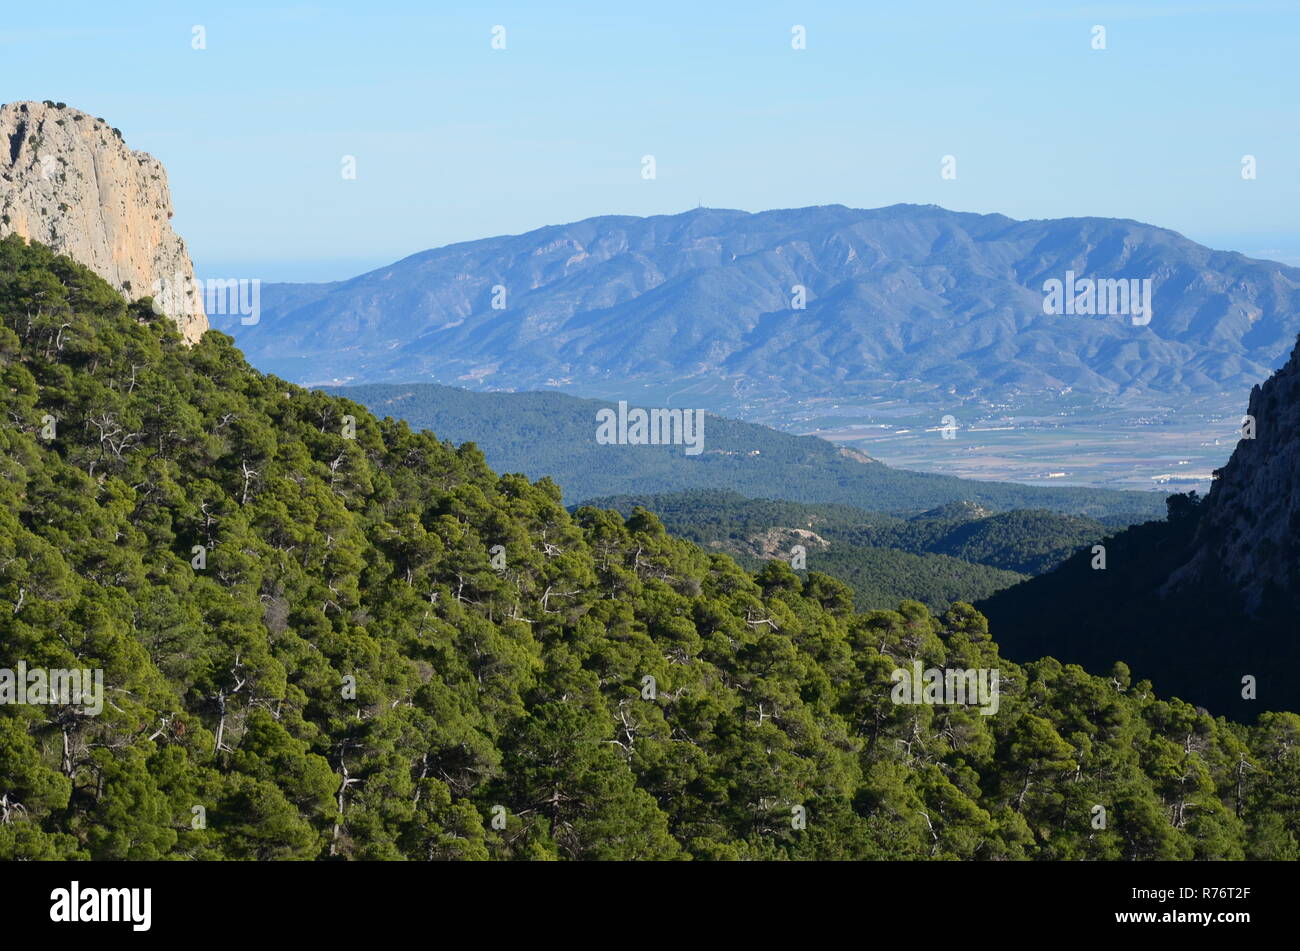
(454, 139)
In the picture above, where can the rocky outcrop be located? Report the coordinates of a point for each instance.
(1249, 532)
(1203, 604)
(68, 180)
(779, 542)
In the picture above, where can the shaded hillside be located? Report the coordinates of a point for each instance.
(1197, 602)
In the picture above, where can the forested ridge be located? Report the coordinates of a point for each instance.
(957, 552)
(550, 434)
(867, 550)
(496, 686)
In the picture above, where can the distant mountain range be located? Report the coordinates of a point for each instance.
(553, 434)
(915, 301)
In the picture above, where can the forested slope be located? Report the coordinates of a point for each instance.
(883, 558)
(1023, 540)
(551, 434)
(346, 668)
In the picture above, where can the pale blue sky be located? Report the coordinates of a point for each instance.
(455, 140)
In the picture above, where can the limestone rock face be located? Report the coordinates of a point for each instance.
(68, 180)
(1250, 533)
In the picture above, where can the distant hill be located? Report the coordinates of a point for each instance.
(1198, 602)
(958, 552)
(918, 301)
(1023, 541)
(552, 434)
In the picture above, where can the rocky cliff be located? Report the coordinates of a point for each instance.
(68, 180)
(1249, 532)
(1203, 604)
